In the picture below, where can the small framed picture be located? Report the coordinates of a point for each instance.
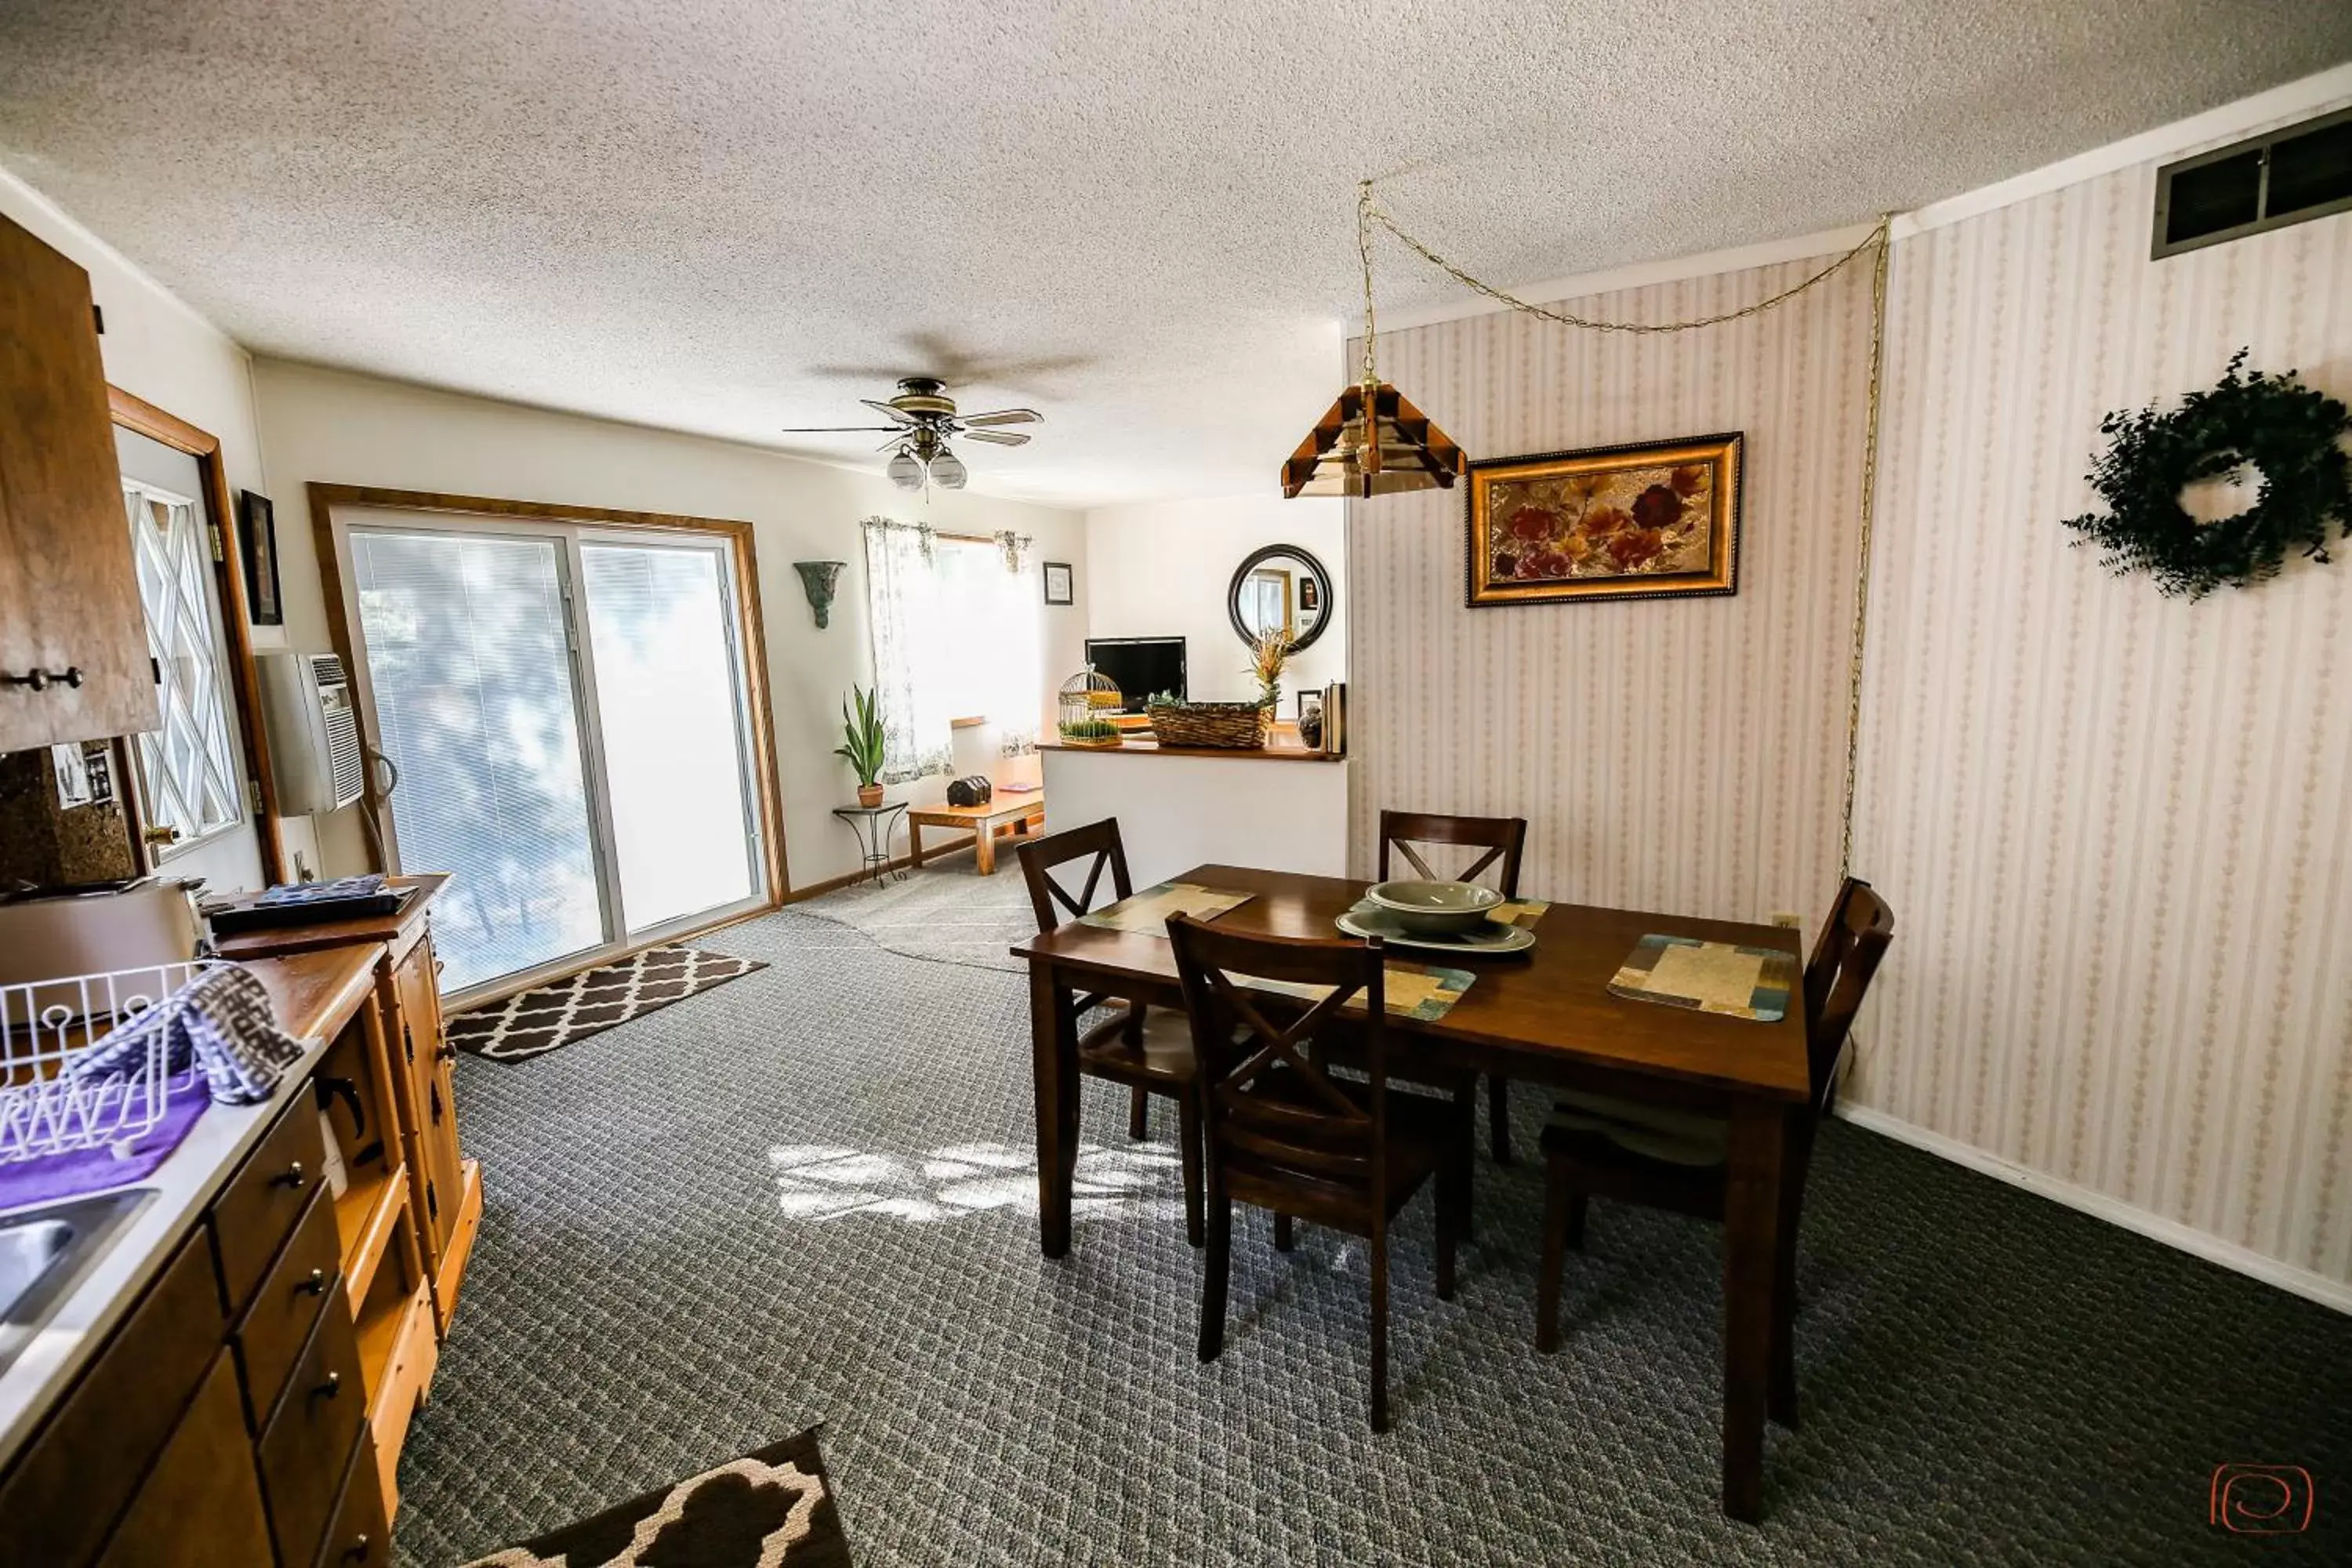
(257, 536)
(1059, 586)
(1310, 705)
(1310, 598)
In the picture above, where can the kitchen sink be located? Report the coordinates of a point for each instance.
(45, 1251)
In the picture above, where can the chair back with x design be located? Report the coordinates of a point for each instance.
(1837, 977)
(1271, 1115)
(1098, 844)
(1503, 838)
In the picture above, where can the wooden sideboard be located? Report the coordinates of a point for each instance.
(247, 1408)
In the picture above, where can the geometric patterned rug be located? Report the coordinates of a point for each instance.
(533, 1023)
(771, 1508)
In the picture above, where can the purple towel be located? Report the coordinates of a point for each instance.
(55, 1176)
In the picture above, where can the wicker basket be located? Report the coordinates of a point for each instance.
(1230, 726)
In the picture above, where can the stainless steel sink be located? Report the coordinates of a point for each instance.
(45, 1251)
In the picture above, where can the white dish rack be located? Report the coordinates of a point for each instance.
(46, 1025)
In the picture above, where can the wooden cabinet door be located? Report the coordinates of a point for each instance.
(69, 600)
(430, 1059)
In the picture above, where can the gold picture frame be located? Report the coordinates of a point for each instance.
(1647, 521)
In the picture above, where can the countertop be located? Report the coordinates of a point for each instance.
(314, 993)
(1131, 748)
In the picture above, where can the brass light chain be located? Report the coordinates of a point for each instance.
(1368, 213)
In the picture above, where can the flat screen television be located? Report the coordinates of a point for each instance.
(1142, 665)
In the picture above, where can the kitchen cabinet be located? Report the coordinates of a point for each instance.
(73, 636)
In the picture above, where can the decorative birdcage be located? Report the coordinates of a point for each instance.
(1088, 700)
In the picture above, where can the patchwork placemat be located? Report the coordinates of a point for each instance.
(1521, 912)
(1148, 910)
(1419, 990)
(1710, 976)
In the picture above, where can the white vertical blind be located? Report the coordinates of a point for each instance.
(669, 709)
(471, 674)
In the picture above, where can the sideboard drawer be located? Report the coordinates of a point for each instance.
(70, 1484)
(263, 1200)
(278, 1324)
(200, 1507)
(308, 1444)
(358, 1537)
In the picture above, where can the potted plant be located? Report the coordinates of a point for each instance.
(1269, 651)
(862, 744)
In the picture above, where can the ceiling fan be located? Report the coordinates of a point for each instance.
(922, 416)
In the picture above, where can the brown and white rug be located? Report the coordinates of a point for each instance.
(773, 1509)
(533, 1023)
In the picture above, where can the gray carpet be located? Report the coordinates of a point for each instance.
(807, 1196)
(953, 916)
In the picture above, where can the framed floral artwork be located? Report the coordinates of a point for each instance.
(1651, 520)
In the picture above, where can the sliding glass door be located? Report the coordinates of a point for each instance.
(566, 711)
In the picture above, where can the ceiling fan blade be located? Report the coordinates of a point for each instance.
(1001, 416)
(997, 438)
(899, 415)
(834, 429)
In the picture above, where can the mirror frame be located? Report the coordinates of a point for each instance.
(1257, 558)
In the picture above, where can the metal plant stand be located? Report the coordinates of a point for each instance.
(874, 825)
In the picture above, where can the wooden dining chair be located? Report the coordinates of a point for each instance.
(1600, 1146)
(1130, 1047)
(1503, 838)
(1281, 1133)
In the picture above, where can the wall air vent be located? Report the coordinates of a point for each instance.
(2266, 181)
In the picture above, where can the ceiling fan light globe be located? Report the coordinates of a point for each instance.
(948, 470)
(905, 472)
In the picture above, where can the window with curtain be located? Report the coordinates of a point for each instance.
(955, 636)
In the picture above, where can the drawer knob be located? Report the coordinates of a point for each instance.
(316, 1285)
(291, 1176)
(358, 1548)
(329, 1389)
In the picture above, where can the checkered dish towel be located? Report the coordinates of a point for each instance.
(223, 1017)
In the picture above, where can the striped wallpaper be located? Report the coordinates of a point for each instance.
(2110, 824)
(1685, 756)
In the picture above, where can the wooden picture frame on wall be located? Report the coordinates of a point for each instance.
(258, 533)
(1060, 585)
(1646, 520)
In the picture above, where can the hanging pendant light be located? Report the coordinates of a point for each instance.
(1372, 441)
(948, 471)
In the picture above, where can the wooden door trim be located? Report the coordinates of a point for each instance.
(325, 497)
(134, 412)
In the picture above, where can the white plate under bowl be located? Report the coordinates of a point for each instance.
(1492, 938)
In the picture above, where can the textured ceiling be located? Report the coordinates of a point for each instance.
(730, 216)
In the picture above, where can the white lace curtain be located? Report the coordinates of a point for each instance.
(935, 611)
(903, 596)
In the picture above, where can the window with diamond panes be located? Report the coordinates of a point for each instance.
(187, 769)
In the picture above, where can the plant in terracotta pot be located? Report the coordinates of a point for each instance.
(861, 745)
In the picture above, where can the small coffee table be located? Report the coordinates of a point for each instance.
(874, 825)
(1020, 813)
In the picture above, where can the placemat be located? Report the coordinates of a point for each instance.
(1709, 976)
(1419, 991)
(1148, 910)
(1521, 912)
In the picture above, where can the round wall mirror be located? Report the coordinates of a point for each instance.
(1280, 586)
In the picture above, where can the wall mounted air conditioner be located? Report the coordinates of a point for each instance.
(314, 731)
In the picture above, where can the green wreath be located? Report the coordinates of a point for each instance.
(2286, 430)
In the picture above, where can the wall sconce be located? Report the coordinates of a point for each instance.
(819, 578)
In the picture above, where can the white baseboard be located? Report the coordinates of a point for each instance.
(2336, 1293)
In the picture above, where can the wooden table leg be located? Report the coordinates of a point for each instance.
(1752, 1228)
(1054, 1048)
(983, 848)
(914, 842)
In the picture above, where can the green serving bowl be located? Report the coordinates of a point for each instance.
(1435, 908)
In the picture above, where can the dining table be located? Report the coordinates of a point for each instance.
(1546, 1015)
